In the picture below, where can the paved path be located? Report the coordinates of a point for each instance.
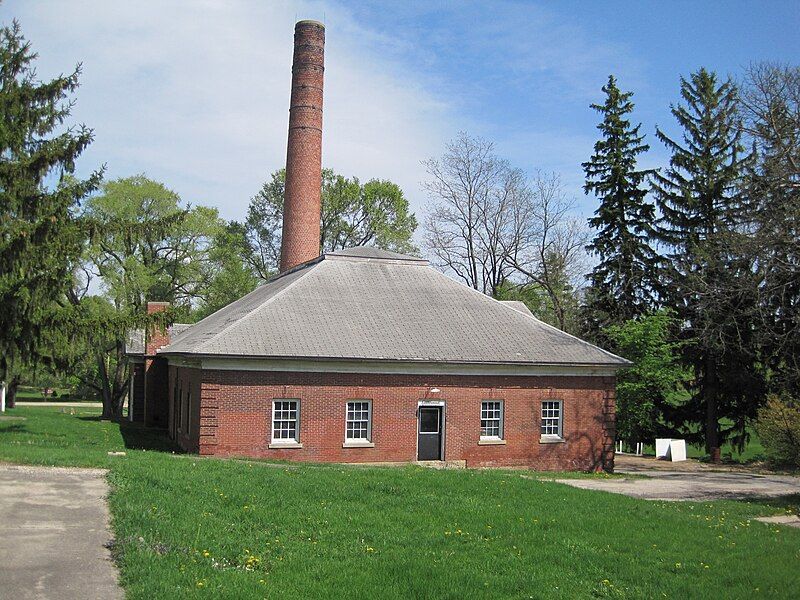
(53, 527)
(695, 486)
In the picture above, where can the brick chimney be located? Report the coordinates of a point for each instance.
(155, 337)
(302, 203)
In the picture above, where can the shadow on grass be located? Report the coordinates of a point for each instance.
(13, 428)
(789, 503)
(138, 437)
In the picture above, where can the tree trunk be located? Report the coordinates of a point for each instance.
(11, 391)
(108, 409)
(710, 390)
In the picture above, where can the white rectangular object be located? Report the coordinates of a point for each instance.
(677, 450)
(662, 447)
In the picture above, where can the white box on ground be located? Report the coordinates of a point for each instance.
(662, 447)
(677, 450)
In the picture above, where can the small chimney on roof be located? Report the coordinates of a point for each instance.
(302, 202)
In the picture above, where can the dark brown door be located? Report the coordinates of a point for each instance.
(429, 438)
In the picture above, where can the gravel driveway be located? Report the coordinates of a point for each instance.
(695, 486)
(53, 527)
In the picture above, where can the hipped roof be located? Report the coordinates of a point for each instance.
(370, 304)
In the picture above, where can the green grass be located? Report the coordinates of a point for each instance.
(753, 451)
(34, 394)
(187, 526)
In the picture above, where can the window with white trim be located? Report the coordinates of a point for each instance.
(492, 419)
(358, 422)
(552, 418)
(285, 420)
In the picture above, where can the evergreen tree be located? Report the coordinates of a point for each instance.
(620, 285)
(40, 234)
(706, 278)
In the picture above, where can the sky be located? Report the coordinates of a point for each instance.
(195, 93)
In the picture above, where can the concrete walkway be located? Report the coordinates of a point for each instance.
(53, 527)
(694, 486)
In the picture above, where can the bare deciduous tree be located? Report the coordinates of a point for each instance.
(770, 110)
(551, 250)
(473, 216)
(491, 226)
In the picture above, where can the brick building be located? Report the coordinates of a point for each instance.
(364, 355)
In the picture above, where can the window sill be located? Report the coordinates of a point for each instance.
(491, 442)
(358, 444)
(285, 445)
(551, 439)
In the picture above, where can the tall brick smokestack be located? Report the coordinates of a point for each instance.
(302, 202)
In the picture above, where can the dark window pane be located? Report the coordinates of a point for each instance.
(429, 420)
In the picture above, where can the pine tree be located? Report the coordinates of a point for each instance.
(40, 235)
(706, 278)
(620, 285)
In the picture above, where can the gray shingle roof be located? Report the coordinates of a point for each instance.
(518, 305)
(135, 343)
(369, 304)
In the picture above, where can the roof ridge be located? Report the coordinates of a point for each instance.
(260, 306)
(531, 316)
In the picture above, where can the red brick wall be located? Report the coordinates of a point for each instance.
(156, 409)
(235, 417)
(155, 392)
(189, 381)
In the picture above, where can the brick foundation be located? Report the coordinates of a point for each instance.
(234, 417)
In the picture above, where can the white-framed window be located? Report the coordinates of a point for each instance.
(552, 418)
(285, 421)
(492, 419)
(358, 421)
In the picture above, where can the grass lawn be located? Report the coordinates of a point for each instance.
(187, 526)
(754, 451)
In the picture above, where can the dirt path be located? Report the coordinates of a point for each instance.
(53, 527)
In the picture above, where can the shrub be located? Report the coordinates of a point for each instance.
(778, 427)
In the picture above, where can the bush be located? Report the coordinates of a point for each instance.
(778, 426)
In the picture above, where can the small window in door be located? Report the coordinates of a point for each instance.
(429, 420)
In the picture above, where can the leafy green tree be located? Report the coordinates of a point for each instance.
(654, 382)
(229, 276)
(145, 246)
(620, 285)
(149, 247)
(353, 214)
(40, 235)
(706, 276)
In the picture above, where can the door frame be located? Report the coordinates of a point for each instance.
(442, 444)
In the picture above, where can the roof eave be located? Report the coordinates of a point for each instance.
(620, 364)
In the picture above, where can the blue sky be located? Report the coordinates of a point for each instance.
(195, 94)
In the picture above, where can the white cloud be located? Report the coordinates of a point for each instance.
(196, 94)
